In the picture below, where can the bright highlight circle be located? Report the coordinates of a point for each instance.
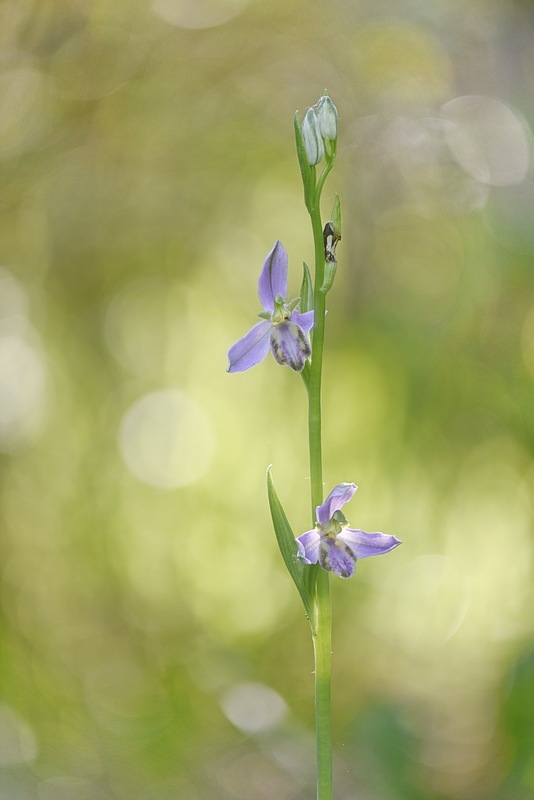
(488, 139)
(253, 707)
(197, 13)
(166, 439)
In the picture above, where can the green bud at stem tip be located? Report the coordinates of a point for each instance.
(313, 142)
(327, 117)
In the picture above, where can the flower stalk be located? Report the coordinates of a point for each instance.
(285, 330)
(322, 627)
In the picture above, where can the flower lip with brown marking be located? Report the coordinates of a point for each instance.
(334, 545)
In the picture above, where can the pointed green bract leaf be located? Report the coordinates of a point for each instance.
(307, 172)
(332, 235)
(306, 289)
(288, 548)
(330, 268)
(306, 372)
(336, 218)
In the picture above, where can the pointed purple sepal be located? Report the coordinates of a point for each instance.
(308, 544)
(304, 321)
(335, 501)
(363, 544)
(273, 277)
(289, 345)
(251, 348)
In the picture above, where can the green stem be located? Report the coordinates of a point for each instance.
(316, 369)
(322, 633)
(322, 648)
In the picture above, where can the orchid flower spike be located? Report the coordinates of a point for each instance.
(282, 329)
(334, 545)
(312, 138)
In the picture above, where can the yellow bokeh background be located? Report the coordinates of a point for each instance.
(153, 646)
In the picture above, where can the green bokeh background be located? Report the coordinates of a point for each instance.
(152, 646)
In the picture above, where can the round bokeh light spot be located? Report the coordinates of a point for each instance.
(197, 13)
(488, 139)
(253, 707)
(166, 439)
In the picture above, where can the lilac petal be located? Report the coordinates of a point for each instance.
(273, 277)
(251, 349)
(335, 501)
(289, 345)
(363, 544)
(336, 557)
(308, 545)
(304, 321)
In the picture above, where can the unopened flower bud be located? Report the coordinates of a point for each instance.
(327, 118)
(312, 138)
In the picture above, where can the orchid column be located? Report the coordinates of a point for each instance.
(330, 546)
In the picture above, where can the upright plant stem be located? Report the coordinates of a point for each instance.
(323, 662)
(322, 633)
(316, 371)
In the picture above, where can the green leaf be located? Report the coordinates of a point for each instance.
(329, 275)
(306, 289)
(307, 171)
(303, 574)
(332, 234)
(306, 374)
(336, 218)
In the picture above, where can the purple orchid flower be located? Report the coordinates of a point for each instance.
(282, 329)
(334, 545)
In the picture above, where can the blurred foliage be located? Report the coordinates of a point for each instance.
(153, 646)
